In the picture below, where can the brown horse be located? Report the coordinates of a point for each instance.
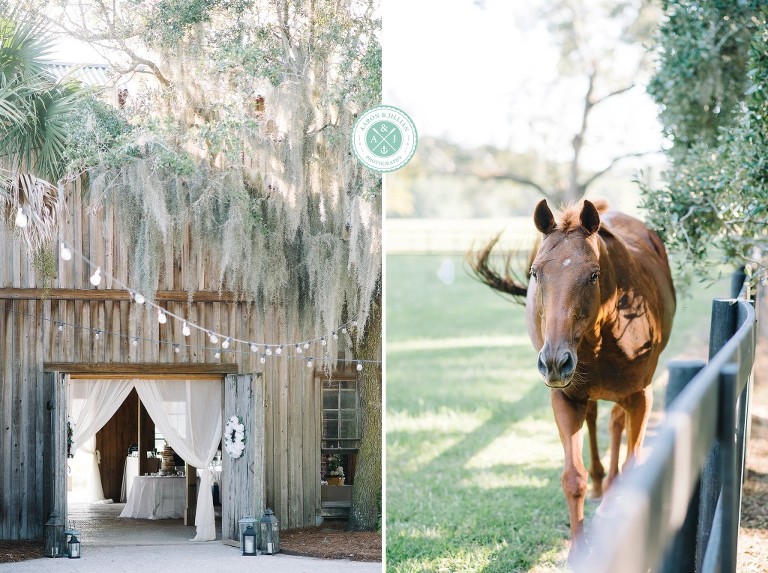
(600, 305)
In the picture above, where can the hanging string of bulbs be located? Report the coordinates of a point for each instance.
(221, 341)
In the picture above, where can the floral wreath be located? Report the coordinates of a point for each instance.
(234, 437)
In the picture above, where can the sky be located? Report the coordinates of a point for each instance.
(476, 72)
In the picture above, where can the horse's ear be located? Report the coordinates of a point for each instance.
(542, 216)
(590, 218)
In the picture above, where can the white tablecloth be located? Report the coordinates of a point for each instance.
(130, 472)
(154, 497)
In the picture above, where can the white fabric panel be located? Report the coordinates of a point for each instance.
(188, 414)
(156, 498)
(91, 405)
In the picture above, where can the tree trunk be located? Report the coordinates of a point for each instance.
(365, 512)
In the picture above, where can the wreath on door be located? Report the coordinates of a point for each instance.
(234, 437)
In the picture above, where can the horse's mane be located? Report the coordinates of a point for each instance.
(570, 220)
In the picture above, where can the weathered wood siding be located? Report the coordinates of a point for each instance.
(29, 338)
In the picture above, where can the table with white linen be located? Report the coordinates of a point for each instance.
(155, 497)
(130, 472)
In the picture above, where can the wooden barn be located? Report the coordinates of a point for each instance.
(62, 330)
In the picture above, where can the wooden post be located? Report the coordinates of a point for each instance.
(190, 506)
(723, 326)
(679, 557)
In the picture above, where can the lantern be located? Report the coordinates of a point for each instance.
(244, 524)
(73, 543)
(74, 547)
(248, 541)
(54, 535)
(270, 533)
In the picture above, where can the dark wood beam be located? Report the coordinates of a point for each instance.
(106, 370)
(113, 294)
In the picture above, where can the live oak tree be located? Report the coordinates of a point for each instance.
(712, 87)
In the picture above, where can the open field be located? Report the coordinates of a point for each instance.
(473, 456)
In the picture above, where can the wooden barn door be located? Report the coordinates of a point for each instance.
(243, 478)
(55, 447)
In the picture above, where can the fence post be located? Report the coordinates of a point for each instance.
(722, 328)
(730, 469)
(679, 557)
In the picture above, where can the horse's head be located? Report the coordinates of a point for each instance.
(566, 277)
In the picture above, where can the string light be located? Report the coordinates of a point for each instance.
(309, 363)
(176, 348)
(64, 252)
(217, 354)
(21, 218)
(98, 333)
(359, 366)
(96, 277)
(263, 359)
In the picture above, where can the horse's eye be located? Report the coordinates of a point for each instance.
(593, 277)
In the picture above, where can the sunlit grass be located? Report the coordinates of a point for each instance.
(473, 455)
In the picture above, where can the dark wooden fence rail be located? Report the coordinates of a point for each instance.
(679, 510)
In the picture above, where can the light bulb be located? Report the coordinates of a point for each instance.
(344, 329)
(96, 277)
(254, 348)
(21, 218)
(298, 349)
(60, 327)
(354, 324)
(135, 341)
(225, 344)
(185, 329)
(309, 363)
(213, 338)
(268, 351)
(306, 345)
(263, 359)
(161, 318)
(335, 336)
(279, 350)
(359, 366)
(176, 348)
(138, 298)
(217, 355)
(65, 253)
(96, 336)
(324, 341)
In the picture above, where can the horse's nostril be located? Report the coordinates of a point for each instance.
(567, 364)
(542, 367)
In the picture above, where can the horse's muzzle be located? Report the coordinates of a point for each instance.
(557, 367)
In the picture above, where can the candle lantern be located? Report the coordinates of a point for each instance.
(53, 530)
(270, 533)
(248, 541)
(73, 543)
(244, 524)
(74, 547)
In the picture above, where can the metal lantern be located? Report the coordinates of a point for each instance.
(74, 547)
(248, 541)
(53, 531)
(270, 533)
(244, 524)
(73, 543)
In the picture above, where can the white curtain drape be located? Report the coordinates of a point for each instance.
(91, 404)
(188, 414)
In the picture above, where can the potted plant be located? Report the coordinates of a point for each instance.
(335, 471)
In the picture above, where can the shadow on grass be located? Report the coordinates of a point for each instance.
(505, 516)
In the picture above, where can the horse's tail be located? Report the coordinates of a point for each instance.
(509, 282)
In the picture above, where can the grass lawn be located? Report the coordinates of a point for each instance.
(473, 457)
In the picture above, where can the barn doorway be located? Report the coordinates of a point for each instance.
(124, 440)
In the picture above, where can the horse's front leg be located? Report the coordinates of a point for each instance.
(596, 470)
(569, 416)
(638, 408)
